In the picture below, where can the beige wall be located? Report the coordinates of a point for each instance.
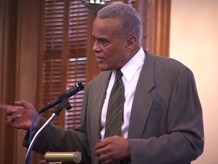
(194, 42)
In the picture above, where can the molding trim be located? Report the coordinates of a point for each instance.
(155, 16)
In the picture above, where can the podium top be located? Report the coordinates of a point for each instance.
(63, 157)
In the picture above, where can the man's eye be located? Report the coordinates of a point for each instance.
(104, 42)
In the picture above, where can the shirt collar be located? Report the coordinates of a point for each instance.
(130, 68)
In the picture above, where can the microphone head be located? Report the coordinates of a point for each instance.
(80, 86)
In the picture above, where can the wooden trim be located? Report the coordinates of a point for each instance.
(27, 59)
(2, 118)
(92, 69)
(155, 16)
(2, 83)
(161, 27)
(9, 48)
(64, 55)
(19, 54)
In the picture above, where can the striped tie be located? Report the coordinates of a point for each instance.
(114, 118)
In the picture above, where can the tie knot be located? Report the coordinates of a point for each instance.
(119, 74)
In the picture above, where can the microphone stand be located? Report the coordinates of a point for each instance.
(64, 104)
(63, 99)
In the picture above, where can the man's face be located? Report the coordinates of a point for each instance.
(109, 46)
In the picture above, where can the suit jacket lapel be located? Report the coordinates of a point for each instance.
(142, 100)
(99, 97)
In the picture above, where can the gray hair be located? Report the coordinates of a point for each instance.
(130, 20)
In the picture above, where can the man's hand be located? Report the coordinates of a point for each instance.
(20, 115)
(112, 149)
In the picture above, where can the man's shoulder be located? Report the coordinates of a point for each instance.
(165, 62)
(101, 79)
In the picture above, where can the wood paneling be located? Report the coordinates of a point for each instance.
(27, 63)
(155, 15)
(8, 85)
(19, 71)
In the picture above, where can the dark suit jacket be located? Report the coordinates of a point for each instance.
(165, 126)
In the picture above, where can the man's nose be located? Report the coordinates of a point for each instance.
(96, 47)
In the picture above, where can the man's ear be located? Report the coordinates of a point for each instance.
(130, 42)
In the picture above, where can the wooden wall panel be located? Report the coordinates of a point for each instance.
(8, 74)
(27, 53)
(155, 16)
(19, 69)
(92, 67)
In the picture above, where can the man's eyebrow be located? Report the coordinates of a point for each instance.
(100, 38)
(96, 38)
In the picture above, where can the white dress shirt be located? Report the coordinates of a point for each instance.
(131, 72)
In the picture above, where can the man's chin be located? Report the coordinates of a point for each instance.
(103, 67)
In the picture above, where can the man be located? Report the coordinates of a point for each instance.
(162, 115)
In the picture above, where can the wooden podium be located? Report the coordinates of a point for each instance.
(63, 157)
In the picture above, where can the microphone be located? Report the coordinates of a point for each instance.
(72, 91)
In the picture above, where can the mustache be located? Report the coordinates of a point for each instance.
(100, 55)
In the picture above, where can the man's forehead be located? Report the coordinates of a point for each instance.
(106, 25)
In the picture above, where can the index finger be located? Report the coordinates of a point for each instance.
(3, 107)
(24, 104)
(100, 144)
(20, 102)
(9, 109)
